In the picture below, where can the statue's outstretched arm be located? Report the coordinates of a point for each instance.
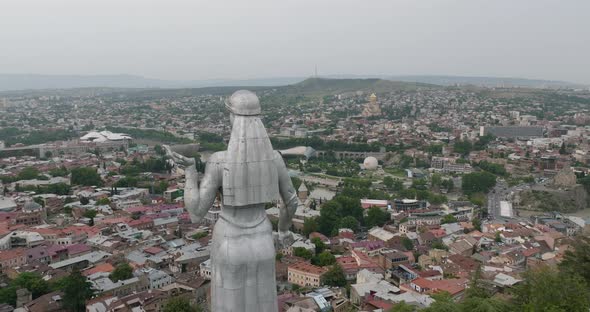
(288, 194)
(198, 200)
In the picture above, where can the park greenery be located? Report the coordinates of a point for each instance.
(11, 136)
(180, 304)
(496, 169)
(478, 182)
(151, 134)
(199, 235)
(76, 289)
(86, 176)
(335, 276)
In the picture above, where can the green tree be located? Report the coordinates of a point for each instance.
(497, 169)
(349, 222)
(59, 172)
(296, 182)
(329, 217)
(76, 291)
(437, 244)
(546, 289)
(395, 185)
(28, 173)
(103, 201)
(443, 302)
(324, 259)
(29, 280)
(577, 261)
(478, 182)
(123, 271)
(376, 217)
(161, 187)
(180, 304)
(478, 199)
(498, 237)
(562, 149)
(407, 243)
(476, 288)
(350, 206)
(448, 185)
(91, 214)
(448, 219)
(200, 235)
(86, 176)
(463, 147)
(388, 182)
(39, 200)
(279, 256)
(310, 225)
(319, 245)
(302, 252)
(159, 150)
(485, 305)
(476, 223)
(436, 180)
(335, 276)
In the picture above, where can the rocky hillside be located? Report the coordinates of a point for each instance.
(545, 199)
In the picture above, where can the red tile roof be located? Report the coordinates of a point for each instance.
(307, 268)
(153, 250)
(103, 267)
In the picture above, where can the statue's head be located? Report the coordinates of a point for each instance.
(243, 103)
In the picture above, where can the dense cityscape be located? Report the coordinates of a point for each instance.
(411, 197)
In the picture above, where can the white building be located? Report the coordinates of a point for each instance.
(156, 278)
(104, 136)
(205, 269)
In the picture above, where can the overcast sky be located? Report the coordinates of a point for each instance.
(192, 39)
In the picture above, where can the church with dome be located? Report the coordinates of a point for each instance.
(372, 108)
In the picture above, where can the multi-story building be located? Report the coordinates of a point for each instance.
(12, 258)
(408, 204)
(156, 278)
(305, 274)
(390, 258)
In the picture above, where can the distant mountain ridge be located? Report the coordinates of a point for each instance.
(11, 82)
(334, 85)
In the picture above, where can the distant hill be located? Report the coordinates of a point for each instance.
(312, 86)
(12, 82)
(487, 81)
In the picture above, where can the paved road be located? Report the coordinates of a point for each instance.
(501, 192)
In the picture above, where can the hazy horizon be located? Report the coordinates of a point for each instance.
(197, 40)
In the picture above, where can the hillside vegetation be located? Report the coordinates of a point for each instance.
(323, 86)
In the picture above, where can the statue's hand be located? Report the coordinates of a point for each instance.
(180, 160)
(285, 239)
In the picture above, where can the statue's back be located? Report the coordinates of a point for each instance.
(249, 168)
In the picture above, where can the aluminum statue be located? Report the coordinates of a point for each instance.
(248, 175)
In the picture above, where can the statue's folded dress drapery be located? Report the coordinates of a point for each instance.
(243, 267)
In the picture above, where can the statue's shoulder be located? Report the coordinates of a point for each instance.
(278, 155)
